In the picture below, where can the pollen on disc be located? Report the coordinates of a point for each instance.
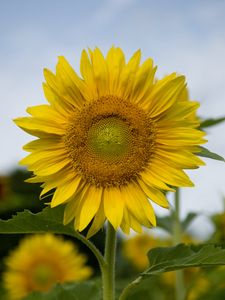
(109, 138)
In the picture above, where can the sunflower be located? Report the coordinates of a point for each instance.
(112, 139)
(39, 262)
(136, 249)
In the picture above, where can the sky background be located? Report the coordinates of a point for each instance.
(183, 36)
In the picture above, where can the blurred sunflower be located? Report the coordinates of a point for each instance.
(39, 262)
(200, 286)
(135, 249)
(112, 139)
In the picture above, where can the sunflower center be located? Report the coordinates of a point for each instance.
(109, 138)
(43, 276)
(110, 141)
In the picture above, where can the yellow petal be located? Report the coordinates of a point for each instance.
(69, 84)
(115, 63)
(60, 178)
(79, 83)
(37, 126)
(37, 156)
(182, 158)
(64, 192)
(146, 205)
(45, 190)
(163, 98)
(134, 204)
(34, 179)
(154, 194)
(134, 224)
(151, 180)
(54, 92)
(125, 224)
(128, 75)
(44, 143)
(70, 209)
(181, 136)
(143, 81)
(49, 167)
(100, 72)
(170, 175)
(113, 206)
(98, 221)
(87, 72)
(55, 100)
(46, 112)
(90, 206)
(181, 110)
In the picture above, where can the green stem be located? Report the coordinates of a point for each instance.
(108, 271)
(177, 238)
(93, 249)
(126, 291)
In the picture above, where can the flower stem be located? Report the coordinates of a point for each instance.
(108, 271)
(126, 291)
(177, 238)
(93, 249)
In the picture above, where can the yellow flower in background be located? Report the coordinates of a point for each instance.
(111, 140)
(199, 287)
(39, 262)
(135, 249)
(219, 224)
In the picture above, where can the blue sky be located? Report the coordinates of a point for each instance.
(183, 36)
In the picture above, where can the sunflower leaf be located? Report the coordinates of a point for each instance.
(184, 256)
(211, 122)
(206, 153)
(72, 291)
(175, 258)
(49, 219)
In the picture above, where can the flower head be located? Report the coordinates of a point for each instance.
(39, 262)
(136, 249)
(111, 140)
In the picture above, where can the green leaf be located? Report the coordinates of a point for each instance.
(206, 153)
(49, 219)
(70, 291)
(184, 256)
(211, 122)
(175, 258)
